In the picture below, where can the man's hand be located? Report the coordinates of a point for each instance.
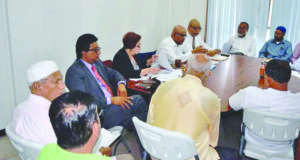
(105, 151)
(218, 51)
(122, 92)
(123, 102)
(199, 49)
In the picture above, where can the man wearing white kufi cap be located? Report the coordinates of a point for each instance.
(31, 120)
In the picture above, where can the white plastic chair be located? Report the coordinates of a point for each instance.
(27, 150)
(165, 144)
(271, 126)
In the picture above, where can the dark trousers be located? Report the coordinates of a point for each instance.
(226, 153)
(116, 116)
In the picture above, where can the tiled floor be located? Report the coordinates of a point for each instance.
(8, 152)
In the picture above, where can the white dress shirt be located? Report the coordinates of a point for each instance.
(169, 51)
(246, 45)
(188, 43)
(31, 120)
(270, 100)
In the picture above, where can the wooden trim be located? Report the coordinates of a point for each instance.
(206, 21)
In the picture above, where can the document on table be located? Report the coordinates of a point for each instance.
(296, 74)
(167, 74)
(218, 57)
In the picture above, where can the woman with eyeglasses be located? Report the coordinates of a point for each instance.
(129, 63)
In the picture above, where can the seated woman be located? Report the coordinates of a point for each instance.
(128, 63)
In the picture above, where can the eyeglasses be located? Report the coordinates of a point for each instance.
(196, 28)
(96, 49)
(181, 35)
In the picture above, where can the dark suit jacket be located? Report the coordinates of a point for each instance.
(78, 77)
(122, 64)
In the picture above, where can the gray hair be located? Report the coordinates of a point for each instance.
(41, 81)
(199, 66)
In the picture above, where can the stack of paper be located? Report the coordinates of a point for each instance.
(296, 74)
(218, 57)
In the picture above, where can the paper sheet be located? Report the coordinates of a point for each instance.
(296, 74)
(218, 57)
(106, 138)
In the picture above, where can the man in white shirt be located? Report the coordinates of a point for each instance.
(169, 49)
(30, 119)
(241, 44)
(193, 41)
(272, 96)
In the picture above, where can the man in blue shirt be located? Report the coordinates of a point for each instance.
(277, 48)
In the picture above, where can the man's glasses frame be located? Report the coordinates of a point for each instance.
(96, 49)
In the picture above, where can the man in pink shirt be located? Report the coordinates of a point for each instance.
(30, 119)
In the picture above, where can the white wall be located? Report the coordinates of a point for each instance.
(48, 29)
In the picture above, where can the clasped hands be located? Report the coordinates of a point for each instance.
(210, 53)
(122, 100)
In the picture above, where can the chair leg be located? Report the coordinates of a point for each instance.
(117, 144)
(125, 144)
(115, 147)
(144, 155)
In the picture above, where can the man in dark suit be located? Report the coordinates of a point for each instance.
(88, 74)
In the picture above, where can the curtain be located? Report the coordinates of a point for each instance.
(225, 16)
(287, 14)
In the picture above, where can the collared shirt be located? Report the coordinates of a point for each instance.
(185, 105)
(103, 87)
(246, 45)
(169, 51)
(296, 53)
(281, 50)
(31, 120)
(269, 100)
(188, 43)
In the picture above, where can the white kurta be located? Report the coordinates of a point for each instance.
(31, 120)
(246, 45)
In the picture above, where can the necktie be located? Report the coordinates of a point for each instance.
(193, 43)
(99, 78)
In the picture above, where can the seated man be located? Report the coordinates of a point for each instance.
(169, 48)
(88, 74)
(194, 43)
(186, 106)
(277, 48)
(30, 118)
(272, 96)
(241, 44)
(76, 124)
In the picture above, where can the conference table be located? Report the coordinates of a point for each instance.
(229, 76)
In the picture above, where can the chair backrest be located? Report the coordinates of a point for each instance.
(108, 63)
(27, 150)
(165, 144)
(272, 126)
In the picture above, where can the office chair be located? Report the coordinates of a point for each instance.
(164, 144)
(271, 126)
(27, 150)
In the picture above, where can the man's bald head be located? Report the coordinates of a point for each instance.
(178, 34)
(194, 27)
